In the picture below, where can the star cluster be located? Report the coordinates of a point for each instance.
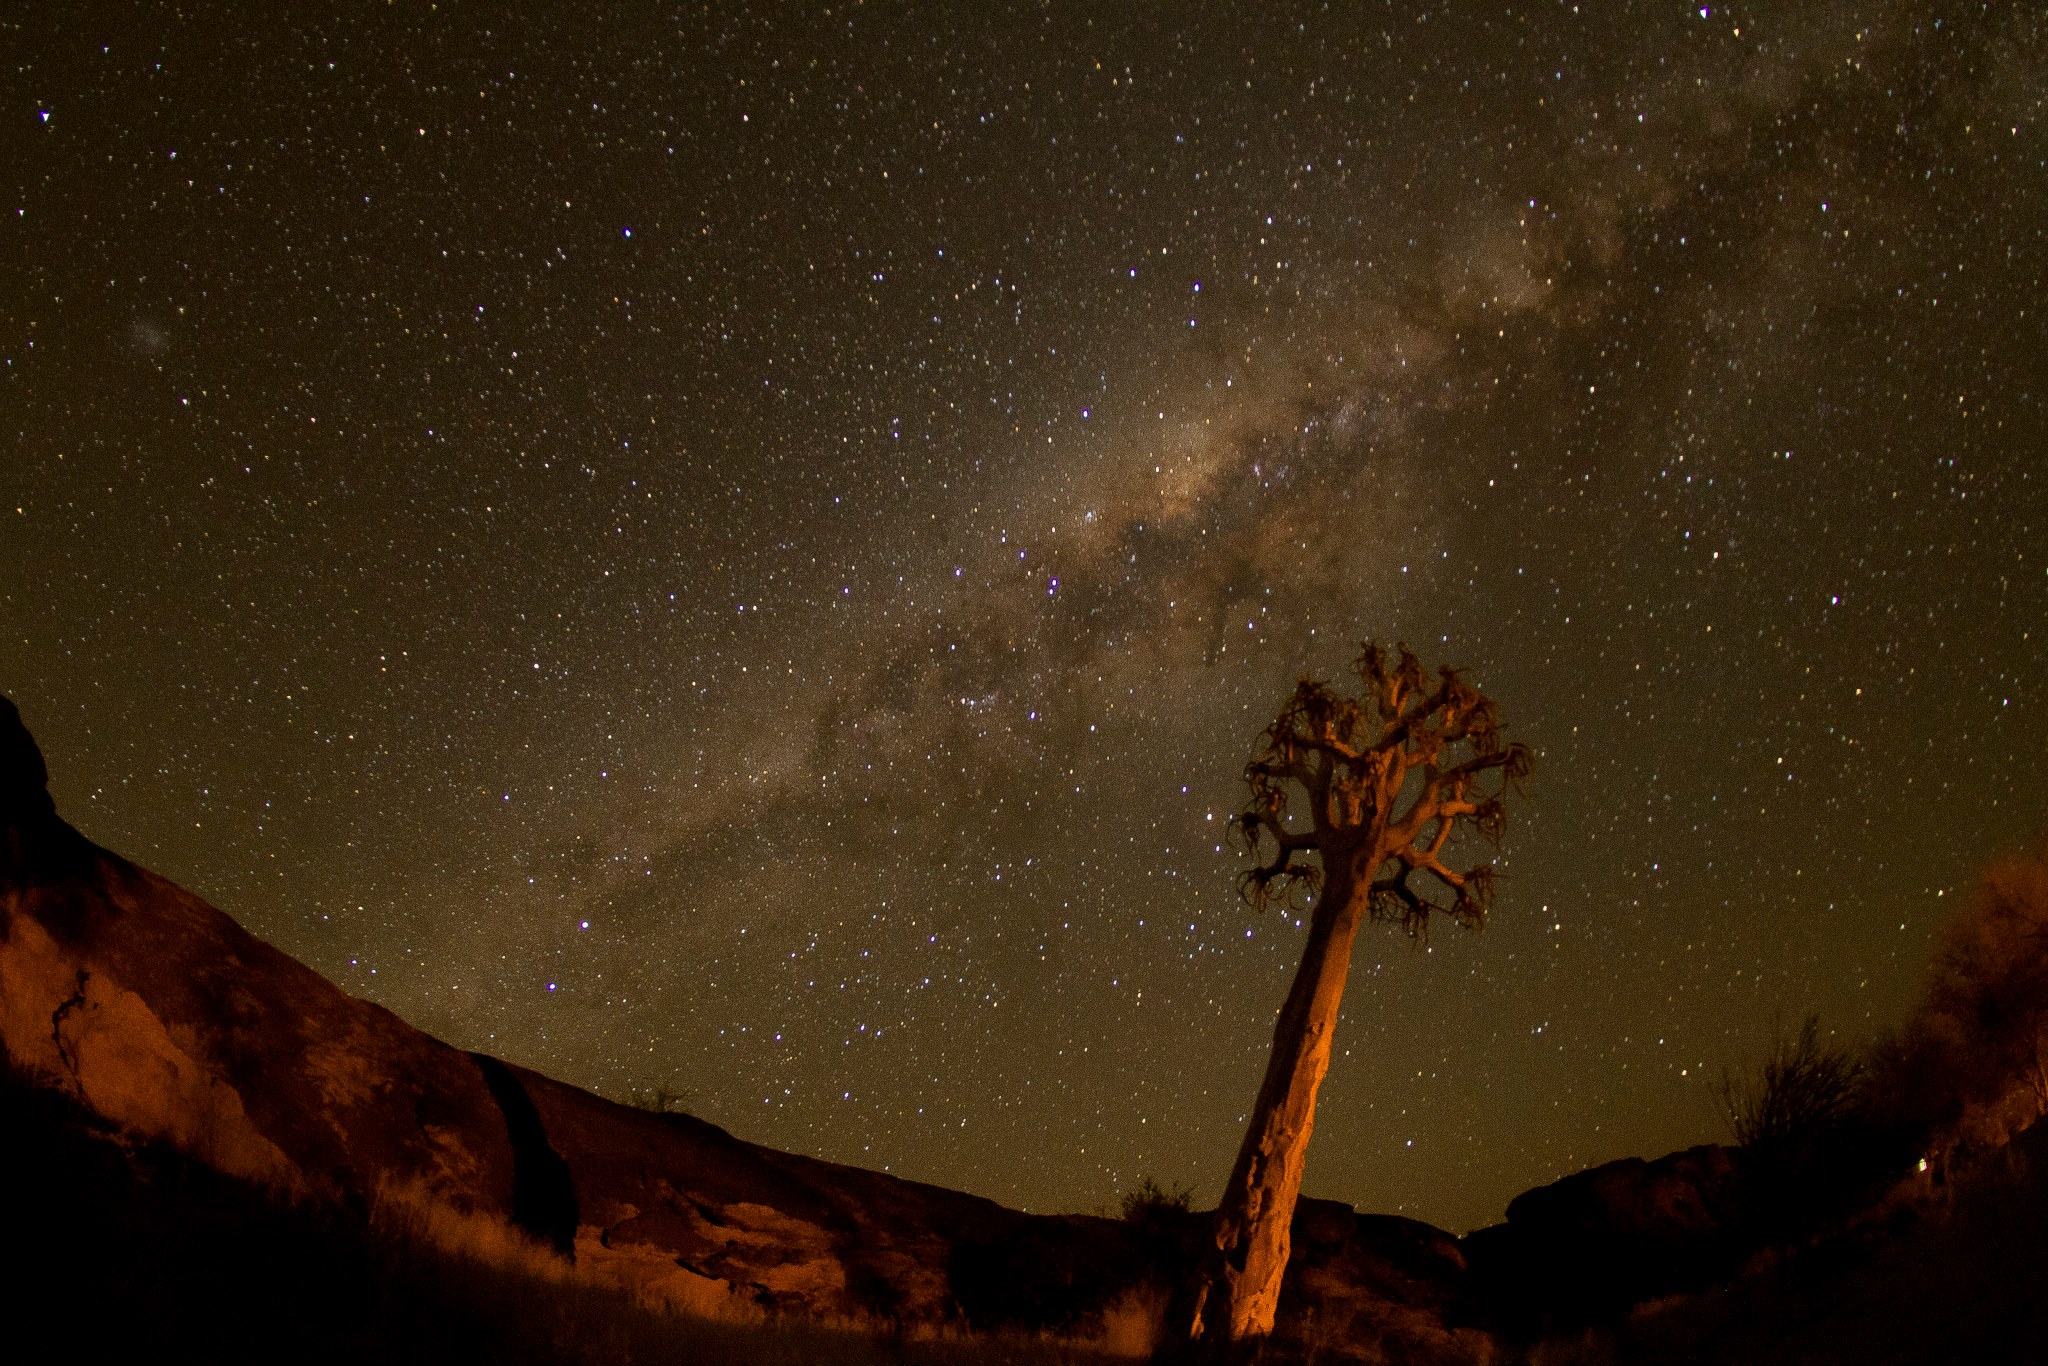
(746, 553)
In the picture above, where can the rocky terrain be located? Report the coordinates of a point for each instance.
(145, 1032)
(160, 1016)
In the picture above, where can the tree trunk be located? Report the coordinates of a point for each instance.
(1240, 1287)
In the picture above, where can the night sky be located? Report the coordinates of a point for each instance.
(747, 553)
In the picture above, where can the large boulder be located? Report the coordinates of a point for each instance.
(1589, 1246)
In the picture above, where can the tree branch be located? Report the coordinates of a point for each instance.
(1284, 872)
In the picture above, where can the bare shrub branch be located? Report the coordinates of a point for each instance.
(658, 1099)
(1148, 1200)
(1804, 1088)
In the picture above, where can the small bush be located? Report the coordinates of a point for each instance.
(658, 1099)
(1804, 1089)
(1148, 1200)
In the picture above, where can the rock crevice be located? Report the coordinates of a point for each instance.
(543, 1195)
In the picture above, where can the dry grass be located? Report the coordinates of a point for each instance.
(138, 1253)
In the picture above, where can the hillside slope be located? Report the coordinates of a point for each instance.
(161, 1017)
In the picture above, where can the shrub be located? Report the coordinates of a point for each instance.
(1148, 1200)
(658, 1099)
(1804, 1089)
(1987, 995)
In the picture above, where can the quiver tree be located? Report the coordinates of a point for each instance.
(1354, 803)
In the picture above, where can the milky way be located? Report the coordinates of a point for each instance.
(747, 554)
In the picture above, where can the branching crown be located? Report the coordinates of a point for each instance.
(1379, 782)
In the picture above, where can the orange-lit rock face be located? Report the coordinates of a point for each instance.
(104, 1045)
(168, 1019)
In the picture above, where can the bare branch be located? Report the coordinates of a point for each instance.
(1398, 895)
(1390, 686)
(1489, 815)
(1275, 773)
(1392, 898)
(1399, 728)
(1279, 881)
(1285, 874)
(1490, 820)
(1422, 862)
(1445, 823)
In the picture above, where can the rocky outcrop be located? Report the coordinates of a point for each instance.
(1377, 1288)
(164, 1017)
(1589, 1246)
